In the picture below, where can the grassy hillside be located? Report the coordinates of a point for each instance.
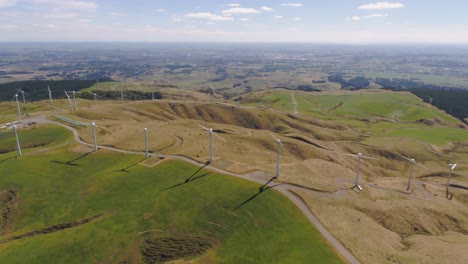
(69, 207)
(33, 137)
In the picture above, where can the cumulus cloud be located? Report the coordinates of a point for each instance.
(266, 8)
(292, 4)
(233, 5)
(278, 17)
(297, 18)
(208, 16)
(357, 18)
(381, 5)
(244, 19)
(6, 3)
(160, 10)
(240, 10)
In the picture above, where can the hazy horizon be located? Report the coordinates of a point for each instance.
(208, 21)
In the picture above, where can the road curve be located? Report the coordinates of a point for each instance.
(283, 188)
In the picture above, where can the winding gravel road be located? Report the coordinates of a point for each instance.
(283, 188)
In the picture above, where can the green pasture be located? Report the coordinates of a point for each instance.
(172, 198)
(44, 135)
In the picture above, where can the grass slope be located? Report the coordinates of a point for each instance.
(33, 137)
(173, 198)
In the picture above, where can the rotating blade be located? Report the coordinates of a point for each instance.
(408, 159)
(201, 126)
(219, 137)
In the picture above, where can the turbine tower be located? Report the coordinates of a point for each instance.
(94, 94)
(17, 106)
(359, 156)
(278, 150)
(69, 101)
(18, 147)
(210, 130)
(23, 92)
(451, 167)
(146, 143)
(50, 95)
(74, 101)
(413, 161)
(93, 126)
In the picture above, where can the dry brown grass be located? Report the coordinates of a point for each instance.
(382, 224)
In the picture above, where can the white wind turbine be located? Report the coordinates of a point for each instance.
(74, 100)
(93, 127)
(211, 140)
(451, 167)
(18, 147)
(359, 156)
(17, 106)
(50, 95)
(69, 101)
(23, 92)
(278, 150)
(146, 143)
(94, 94)
(413, 161)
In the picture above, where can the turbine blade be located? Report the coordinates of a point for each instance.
(406, 158)
(219, 137)
(367, 157)
(201, 126)
(420, 165)
(272, 135)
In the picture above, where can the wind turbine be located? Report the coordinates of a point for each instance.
(74, 101)
(17, 105)
(413, 161)
(23, 92)
(50, 95)
(146, 143)
(93, 126)
(278, 150)
(95, 95)
(69, 101)
(359, 156)
(18, 147)
(451, 167)
(211, 140)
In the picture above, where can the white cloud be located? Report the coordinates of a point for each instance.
(266, 8)
(240, 10)
(244, 19)
(278, 17)
(209, 16)
(117, 14)
(233, 5)
(200, 15)
(381, 5)
(160, 10)
(377, 15)
(69, 4)
(357, 18)
(6, 3)
(297, 18)
(292, 4)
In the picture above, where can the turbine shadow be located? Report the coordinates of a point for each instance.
(128, 167)
(261, 189)
(190, 179)
(7, 159)
(72, 162)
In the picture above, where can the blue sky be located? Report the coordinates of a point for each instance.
(331, 21)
